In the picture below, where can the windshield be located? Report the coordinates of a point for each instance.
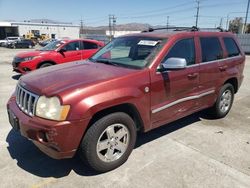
(129, 51)
(53, 45)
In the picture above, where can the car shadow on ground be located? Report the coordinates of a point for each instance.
(16, 77)
(32, 160)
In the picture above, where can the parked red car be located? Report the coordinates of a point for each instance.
(57, 52)
(135, 83)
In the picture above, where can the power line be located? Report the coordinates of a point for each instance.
(158, 14)
(144, 13)
(221, 5)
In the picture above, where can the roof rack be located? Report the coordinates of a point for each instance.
(213, 29)
(193, 28)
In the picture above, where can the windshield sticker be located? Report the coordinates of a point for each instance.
(148, 42)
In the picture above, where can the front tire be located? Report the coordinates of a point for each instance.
(224, 101)
(108, 142)
(45, 65)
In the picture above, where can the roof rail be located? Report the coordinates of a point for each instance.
(193, 28)
(150, 29)
(214, 29)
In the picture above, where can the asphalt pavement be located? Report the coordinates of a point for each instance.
(196, 151)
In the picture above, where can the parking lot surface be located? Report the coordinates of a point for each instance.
(195, 151)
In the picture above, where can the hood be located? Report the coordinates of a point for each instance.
(33, 53)
(58, 78)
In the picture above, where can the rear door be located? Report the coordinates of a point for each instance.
(210, 72)
(173, 92)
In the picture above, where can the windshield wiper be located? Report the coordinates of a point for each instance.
(105, 61)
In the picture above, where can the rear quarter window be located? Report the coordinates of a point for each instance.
(211, 49)
(231, 47)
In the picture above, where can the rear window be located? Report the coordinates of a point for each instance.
(231, 47)
(89, 45)
(211, 49)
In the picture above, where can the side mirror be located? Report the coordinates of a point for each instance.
(174, 63)
(62, 50)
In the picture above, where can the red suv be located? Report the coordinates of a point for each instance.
(135, 83)
(57, 52)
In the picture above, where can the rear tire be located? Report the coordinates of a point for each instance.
(224, 101)
(108, 142)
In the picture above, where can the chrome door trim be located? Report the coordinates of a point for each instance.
(182, 100)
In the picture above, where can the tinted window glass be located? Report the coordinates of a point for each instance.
(211, 49)
(130, 51)
(183, 49)
(72, 46)
(231, 46)
(89, 45)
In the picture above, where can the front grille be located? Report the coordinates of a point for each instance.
(15, 64)
(16, 61)
(26, 100)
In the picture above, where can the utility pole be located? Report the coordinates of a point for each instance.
(110, 29)
(197, 13)
(81, 32)
(221, 21)
(114, 23)
(245, 24)
(167, 22)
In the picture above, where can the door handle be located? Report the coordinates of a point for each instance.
(223, 68)
(192, 75)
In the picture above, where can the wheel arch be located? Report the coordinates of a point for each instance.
(234, 83)
(127, 108)
(43, 62)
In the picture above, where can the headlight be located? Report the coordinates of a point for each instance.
(50, 108)
(28, 58)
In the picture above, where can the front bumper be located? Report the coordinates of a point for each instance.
(24, 66)
(56, 139)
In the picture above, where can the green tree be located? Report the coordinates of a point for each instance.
(236, 24)
(248, 28)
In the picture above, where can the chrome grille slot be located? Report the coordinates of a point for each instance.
(26, 100)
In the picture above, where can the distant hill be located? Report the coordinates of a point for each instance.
(126, 27)
(119, 27)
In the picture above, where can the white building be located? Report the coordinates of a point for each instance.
(54, 30)
(51, 29)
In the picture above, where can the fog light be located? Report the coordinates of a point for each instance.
(42, 136)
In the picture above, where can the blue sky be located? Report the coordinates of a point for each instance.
(95, 12)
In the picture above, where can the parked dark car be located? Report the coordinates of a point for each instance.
(25, 43)
(46, 42)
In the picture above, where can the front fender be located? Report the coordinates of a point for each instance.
(88, 106)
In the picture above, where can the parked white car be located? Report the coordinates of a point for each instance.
(8, 40)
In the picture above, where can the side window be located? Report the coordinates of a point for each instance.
(89, 45)
(231, 46)
(211, 49)
(183, 49)
(72, 46)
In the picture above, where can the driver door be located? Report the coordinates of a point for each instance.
(71, 52)
(173, 92)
